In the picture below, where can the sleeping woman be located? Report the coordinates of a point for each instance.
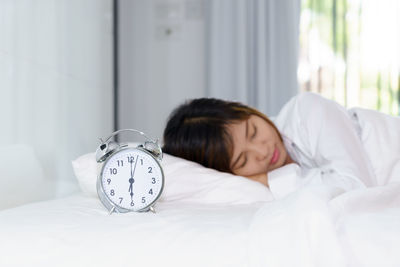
(313, 137)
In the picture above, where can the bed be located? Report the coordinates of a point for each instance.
(215, 223)
(210, 218)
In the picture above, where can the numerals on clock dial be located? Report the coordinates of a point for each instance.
(132, 179)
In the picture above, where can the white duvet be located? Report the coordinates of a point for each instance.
(312, 227)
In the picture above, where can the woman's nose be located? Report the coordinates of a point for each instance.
(260, 151)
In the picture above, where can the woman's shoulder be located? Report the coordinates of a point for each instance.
(295, 112)
(308, 103)
(309, 98)
(304, 102)
(308, 109)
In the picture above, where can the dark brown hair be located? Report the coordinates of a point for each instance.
(197, 131)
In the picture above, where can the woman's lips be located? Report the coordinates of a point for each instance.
(275, 157)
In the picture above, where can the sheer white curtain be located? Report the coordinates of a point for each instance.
(55, 82)
(252, 48)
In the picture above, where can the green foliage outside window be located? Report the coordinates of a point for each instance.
(350, 52)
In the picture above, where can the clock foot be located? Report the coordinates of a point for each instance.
(152, 209)
(111, 210)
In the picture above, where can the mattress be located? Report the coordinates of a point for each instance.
(78, 231)
(312, 227)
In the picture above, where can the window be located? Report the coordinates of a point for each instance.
(350, 52)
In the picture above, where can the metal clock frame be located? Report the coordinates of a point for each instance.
(108, 203)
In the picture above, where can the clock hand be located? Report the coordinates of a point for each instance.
(131, 180)
(135, 165)
(131, 189)
(131, 161)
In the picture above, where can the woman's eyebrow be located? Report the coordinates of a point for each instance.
(255, 131)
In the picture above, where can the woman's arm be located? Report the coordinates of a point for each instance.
(334, 143)
(324, 136)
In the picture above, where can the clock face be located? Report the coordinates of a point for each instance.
(132, 179)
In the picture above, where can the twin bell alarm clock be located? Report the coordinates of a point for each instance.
(130, 177)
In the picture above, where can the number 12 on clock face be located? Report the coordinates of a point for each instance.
(132, 179)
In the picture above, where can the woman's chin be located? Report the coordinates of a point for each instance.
(261, 177)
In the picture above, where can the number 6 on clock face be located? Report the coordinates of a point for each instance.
(131, 179)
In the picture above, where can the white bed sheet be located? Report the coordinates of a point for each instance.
(312, 227)
(77, 231)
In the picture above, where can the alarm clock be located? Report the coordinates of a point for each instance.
(130, 177)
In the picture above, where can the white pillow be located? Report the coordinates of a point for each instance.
(185, 181)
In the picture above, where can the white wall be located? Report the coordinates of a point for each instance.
(159, 70)
(56, 79)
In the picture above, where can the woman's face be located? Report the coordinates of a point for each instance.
(257, 148)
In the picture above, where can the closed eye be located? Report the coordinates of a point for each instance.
(244, 162)
(254, 133)
(242, 158)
